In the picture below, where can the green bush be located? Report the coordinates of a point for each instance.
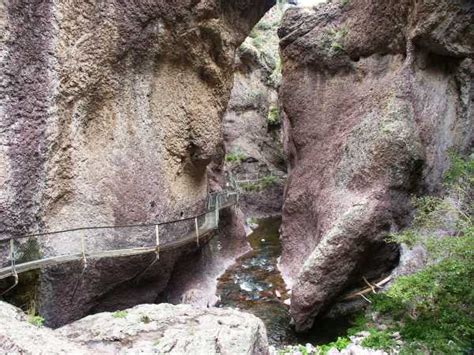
(260, 184)
(273, 117)
(434, 307)
(120, 314)
(379, 340)
(35, 320)
(339, 344)
(235, 157)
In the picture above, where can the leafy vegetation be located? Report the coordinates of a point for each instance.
(36, 320)
(32, 315)
(120, 314)
(332, 41)
(260, 184)
(432, 310)
(344, 2)
(379, 339)
(273, 117)
(235, 157)
(339, 344)
(262, 45)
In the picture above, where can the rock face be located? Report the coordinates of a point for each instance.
(374, 94)
(252, 134)
(110, 113)
(147, 329)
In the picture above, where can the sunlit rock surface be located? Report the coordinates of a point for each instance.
(146, 329)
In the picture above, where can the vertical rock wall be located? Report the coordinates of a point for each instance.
(110, 113)
(375, 93)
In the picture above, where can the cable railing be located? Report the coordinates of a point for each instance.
(34, 251)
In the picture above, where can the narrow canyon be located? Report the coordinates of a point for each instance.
(236, 176)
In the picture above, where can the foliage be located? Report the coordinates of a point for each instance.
(273, 117)
(434, 307)
(339, 344)
(260, 184)
(32, 315)
(235, 157)
(378, 340)
(35, 320)
(120, 314)
(344, 2)
(461, 171)
(332, 40)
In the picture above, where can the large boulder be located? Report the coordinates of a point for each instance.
(375, 94)
(110, 113)
(144, 329)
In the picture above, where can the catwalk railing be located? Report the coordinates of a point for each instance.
(29, 252)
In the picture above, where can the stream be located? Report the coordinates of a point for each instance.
(254, 284)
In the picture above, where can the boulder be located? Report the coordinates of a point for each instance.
(144, 329)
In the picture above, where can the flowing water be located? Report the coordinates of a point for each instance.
(254, 284)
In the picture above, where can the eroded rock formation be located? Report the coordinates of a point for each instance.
(110, 113)
(147, 329)
(375, 94)
(252, 133)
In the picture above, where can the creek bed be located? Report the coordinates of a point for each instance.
(254, 284)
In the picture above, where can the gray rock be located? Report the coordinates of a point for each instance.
(171, 329)
(144, 329)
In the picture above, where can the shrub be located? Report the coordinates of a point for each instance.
(234, 157)
(120, 314)
(273, 117)
(36, 320)
(260, 184)
(379, 340)
(432, 309)
(434, 306)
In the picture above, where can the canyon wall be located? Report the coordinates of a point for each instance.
(252, 126)
(110, 114)
(375, 94)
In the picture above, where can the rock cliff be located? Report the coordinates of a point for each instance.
(252, 133)
(110, 113)
(374, 94)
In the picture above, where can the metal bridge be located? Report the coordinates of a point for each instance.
(35, 251)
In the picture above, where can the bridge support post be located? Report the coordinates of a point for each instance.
(157, 236)
(196, 226)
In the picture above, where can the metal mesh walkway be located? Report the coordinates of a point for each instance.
(29, 252)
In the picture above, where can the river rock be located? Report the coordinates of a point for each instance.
(374, 95)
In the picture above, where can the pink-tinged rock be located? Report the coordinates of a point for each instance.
(374, 95)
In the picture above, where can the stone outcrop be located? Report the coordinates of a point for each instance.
(110, 113)
(374, 95)
(147, 329)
